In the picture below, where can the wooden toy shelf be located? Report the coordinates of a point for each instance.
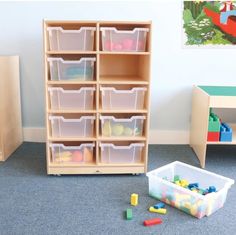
(204, 98)
(125, 70)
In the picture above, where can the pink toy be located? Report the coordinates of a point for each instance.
(77, 156)
(128, 44)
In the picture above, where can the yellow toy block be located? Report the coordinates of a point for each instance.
(160, 210)
(134, 199)
(184, 183)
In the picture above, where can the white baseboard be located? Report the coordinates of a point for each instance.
(155, 136)
(34, 134)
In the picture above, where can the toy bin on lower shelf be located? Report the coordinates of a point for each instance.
(81, 98)
(76, 70)
(132, 99)
(126, 127)
(72, 154)
(124, 40)
(67, 127)
(161, 186)
(74, 39)
(111, 153)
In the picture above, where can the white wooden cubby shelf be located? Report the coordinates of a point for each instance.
(120, 82)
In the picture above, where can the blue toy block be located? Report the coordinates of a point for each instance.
(211, 189)
(225, 133)
(159, 205)
(193, 185)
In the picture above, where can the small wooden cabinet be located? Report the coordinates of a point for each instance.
(204, 98)
(10, 106)
(115, 72)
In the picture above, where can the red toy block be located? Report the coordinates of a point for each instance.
(213, 136)
(151, 222)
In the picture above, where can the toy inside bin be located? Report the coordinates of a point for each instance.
(161, 186)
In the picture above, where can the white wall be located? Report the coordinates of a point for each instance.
(174, 68)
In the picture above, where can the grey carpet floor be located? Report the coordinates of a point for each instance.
(33, 203)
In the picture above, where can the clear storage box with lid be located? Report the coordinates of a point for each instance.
(161, 186)
(80, 70)
(124, 40)
(71, 39)
(82, 98)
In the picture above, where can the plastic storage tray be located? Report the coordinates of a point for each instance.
(198, 205)
(112, 126)
(81, 70)
(123, 99)
(71, 99)
(124, 40)
(64, 127)
(72, 154)
(66, 40)
(111, 153)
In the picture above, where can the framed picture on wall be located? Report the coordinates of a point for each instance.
(209, 23)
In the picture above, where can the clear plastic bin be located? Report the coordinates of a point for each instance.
(111, 153)
(72, 154)
(61, 99)
(124, 40)
(112, 126)
(64, 127)
(196, 204)
(80, 70)
(123, 99)
(67, 40)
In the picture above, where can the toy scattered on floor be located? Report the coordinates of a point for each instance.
(119, 130)
(159, 205)
(159, 211)
(151, 222)
(74, 156)
(129, 214)
(134, 199)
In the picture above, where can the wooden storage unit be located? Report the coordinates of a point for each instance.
(127, 70)
(204, 98)
(10, 106)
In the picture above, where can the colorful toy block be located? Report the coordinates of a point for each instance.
(151, 222)
(193, 185)
(160, 211)
(213, 136)
(159, 205)
(214, 123)
(176, 178)
(225, 133)
(211, 189)
(129, 214)
(134, 199)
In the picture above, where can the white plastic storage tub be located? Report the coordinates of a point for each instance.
(132, 99)
(81, 70)
(124, 40)
(111, 153)
(67, 40)
(65, 127)
(112, 126)
(72, 154)
(71, 99)
(194, 203)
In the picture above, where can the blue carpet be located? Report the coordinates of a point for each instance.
(33, 203)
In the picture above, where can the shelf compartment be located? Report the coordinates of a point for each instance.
(125, 99)
(122, 127)
(80, 154)
(62, 99)
(131, 153)
(71, 39)
(82, 126)
(123, 40)
(76, 70)
(125, 65)
(122, 80)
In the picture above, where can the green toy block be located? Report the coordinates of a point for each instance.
(129, 214)
(176, 178)
(214, 123)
